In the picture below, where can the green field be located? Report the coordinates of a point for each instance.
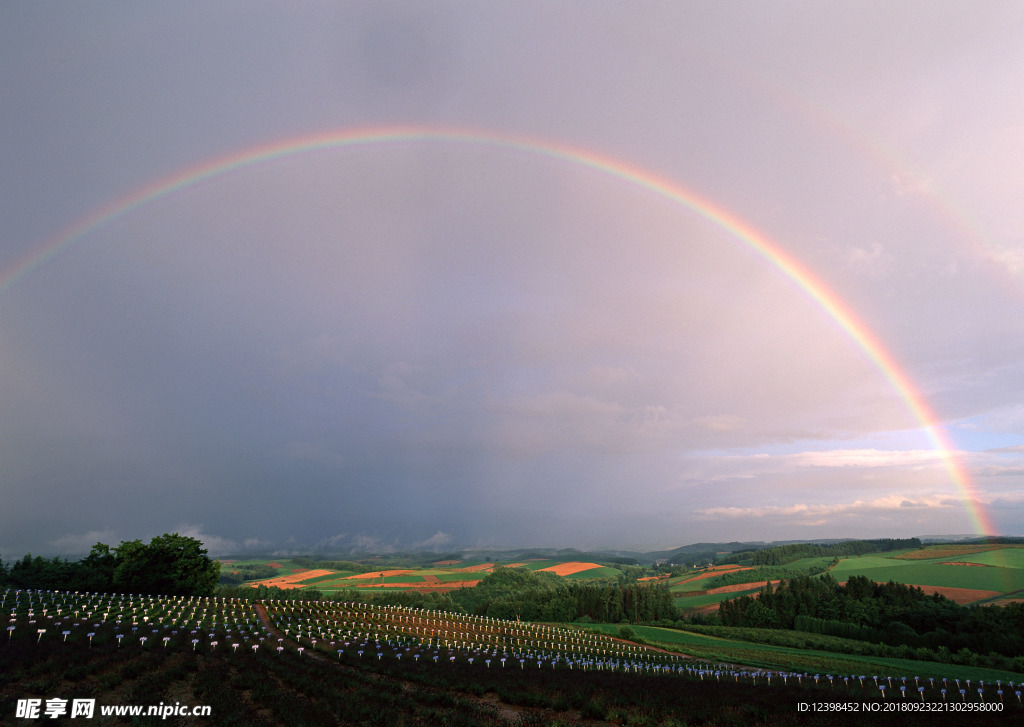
(1002, 558)
(706, 600)
(602, 572)
(1002, 570)
(539, 564)
(803, 660)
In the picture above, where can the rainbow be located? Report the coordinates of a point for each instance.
(773, 253)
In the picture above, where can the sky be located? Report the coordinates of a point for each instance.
(333, 277)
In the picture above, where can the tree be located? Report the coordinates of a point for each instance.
(96, 570)
(171, 565)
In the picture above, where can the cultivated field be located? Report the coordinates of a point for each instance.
(966, 574)
(325, 663)
(439, 577)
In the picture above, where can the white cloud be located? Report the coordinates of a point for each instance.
(869, 458)
(214, 544)
(79, 544)
(816, 514)
(436, 542)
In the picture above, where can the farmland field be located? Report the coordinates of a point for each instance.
(997, 571)
(966, 574)
(811, 661)
(325, 663)
(437, 576)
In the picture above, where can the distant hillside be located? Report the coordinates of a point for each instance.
(694, 553)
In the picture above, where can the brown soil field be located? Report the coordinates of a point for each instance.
(567, 569)
(955, 562)
(431, 579)
(737, 587)
(439, 587)
(447, 562)
(963, 596)
(1005, 601)
(291, 580)
(486, 567)
(378, 574)
(653, 578)
(709, 608)
(275, 565)
(948, 551)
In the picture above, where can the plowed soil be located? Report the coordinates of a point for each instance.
(567, 569)
(963, 596)
(291, 580)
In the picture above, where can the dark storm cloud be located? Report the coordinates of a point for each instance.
(442, 344)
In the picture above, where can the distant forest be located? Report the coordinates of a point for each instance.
(784, 554)
(923, 626)
(169, 565)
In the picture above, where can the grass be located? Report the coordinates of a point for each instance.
(602, 572)
(766, 656)
(933, 574)
(808, 564)
(1003, 558)
(698, 601)
(538, 564)
(457, 577)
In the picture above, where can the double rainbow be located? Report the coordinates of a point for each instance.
(777, 256)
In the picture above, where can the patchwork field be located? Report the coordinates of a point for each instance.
(441, 576)
(966, 574)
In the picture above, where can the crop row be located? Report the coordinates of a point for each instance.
(135, 647)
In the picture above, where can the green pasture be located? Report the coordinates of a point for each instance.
(690, 586)
(864, 562)
(602, 572)
(407, 578)
(454, 577)
(707, 600)
(538, 564)
(434, 571)
(808, 564)
(1002, 558)
(925, 573)
(286, 568)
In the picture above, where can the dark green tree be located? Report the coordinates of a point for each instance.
(170, 565)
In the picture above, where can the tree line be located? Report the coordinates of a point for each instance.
(169, 565)
(783, 554)
(889, 613)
